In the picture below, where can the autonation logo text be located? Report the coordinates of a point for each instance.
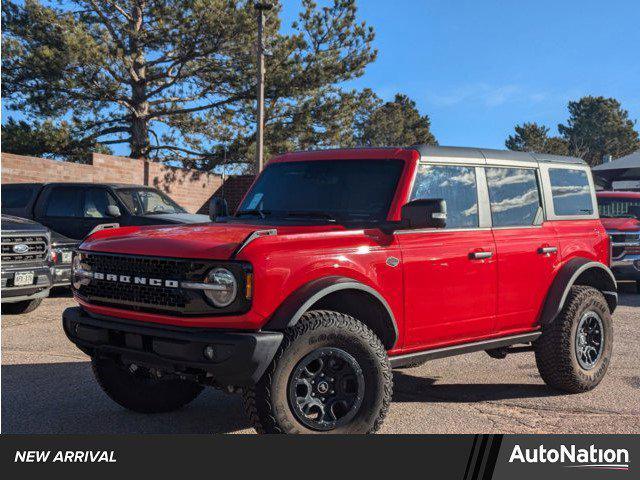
(573, 457)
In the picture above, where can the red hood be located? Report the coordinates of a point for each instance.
(622, 224)
(212, 241)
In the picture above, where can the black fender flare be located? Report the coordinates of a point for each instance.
(567, 277)
(295, 305)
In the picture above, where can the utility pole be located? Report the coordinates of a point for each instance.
(260, 7)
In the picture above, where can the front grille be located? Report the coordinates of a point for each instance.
(142, 266)
(617, 252)
(625, 237)
(633, 249)
(37, 248)
(112, 291)
(155, 297)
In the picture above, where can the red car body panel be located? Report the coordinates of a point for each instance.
(475, 299)
(438, 271)
(524, 275)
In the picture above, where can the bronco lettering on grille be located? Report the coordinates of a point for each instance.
(154, 282)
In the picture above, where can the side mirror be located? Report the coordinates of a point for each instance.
(425, 213)
(218, 208)
(113, 211)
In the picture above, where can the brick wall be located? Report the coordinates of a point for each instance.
(233, 190)
(190, 188)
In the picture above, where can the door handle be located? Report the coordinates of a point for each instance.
(480, 255)
(547, 250)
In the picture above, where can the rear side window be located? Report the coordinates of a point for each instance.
(456, 185)
(571, 192)
(64, 202)
(514, 196)
(17, 196)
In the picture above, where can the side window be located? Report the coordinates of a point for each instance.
(455, 185)
(96, 201)
(64, 202)
(514, 196)
(571, 192)
(17, 196)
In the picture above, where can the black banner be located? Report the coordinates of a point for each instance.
(462, 457)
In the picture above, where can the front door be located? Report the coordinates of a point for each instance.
(95, 210)
(526, 247)
(450, 274)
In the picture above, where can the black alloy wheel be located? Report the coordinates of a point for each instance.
(326, 389)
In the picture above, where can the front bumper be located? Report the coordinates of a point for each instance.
(239, 359)
(39, 288)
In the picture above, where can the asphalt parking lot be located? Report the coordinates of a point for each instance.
(47, 387)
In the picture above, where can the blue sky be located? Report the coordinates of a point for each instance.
(479, 67)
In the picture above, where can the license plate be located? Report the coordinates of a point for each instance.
(23, 278)
(66, 257)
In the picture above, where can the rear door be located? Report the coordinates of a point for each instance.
(526, 245)
(59, 207)
(450, 274)
(572, 208)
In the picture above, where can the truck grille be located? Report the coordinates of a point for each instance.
(624, 244)
(30, 248)
(151, 297)
(625, 237)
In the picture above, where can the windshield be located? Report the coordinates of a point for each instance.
(332, 190)
(148, 202)
(619, 207)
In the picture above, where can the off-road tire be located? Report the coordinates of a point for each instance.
(26, 306)
(267, 402)
(142, 395)
(555, 349)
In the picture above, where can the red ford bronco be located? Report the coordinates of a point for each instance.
(340, 265)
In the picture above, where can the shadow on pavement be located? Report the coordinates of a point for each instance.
(64, 398)
(409, 388)
(61, 292)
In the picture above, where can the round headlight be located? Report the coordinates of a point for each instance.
(223, 287)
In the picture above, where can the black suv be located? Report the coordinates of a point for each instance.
(26, 264)
(77, 209)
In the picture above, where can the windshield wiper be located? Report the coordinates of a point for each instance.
(311, 214)
(255, 212)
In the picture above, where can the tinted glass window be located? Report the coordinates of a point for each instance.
(514, 196)
(347, 190)
(64, 202)
(17, 196)
(571, 192)
(455, 185)
(148, 202)
(96, 201)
